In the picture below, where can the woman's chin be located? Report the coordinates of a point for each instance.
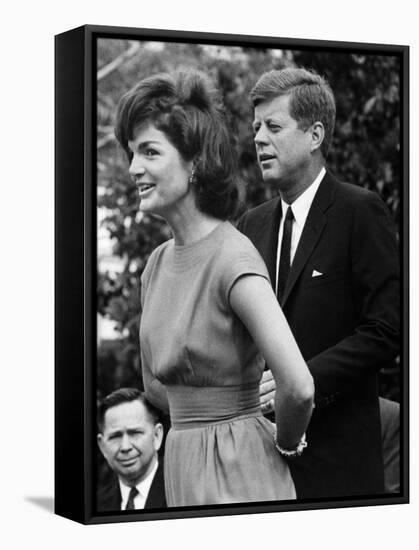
(146, 207)
(150, 209)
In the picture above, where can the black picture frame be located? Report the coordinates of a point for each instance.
(75, 270)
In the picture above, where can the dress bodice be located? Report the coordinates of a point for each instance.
(189, 333)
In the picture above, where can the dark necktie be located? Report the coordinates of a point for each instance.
(285, 258)
(130, 502)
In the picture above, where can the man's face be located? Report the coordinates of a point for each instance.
(283, 149)
(130, 441)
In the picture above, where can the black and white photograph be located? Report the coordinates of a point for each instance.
(209, 275)
(250, 207)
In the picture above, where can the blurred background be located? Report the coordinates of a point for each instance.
(365, 151)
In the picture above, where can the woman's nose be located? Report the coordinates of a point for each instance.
(136, 168)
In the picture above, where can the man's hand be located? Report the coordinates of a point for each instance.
(267, 392)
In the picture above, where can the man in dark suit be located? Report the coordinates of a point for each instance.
(130, 435)
(333, 261)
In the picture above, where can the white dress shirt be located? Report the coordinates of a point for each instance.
(143, 489)
(300, 209)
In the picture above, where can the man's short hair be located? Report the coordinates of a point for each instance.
(311, 98)
(125, 395)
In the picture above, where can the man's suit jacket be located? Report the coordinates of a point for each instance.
(346, 323)
(109, 497)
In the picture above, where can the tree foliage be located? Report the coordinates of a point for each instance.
(365, 151)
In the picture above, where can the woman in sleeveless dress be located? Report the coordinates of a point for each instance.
(210, 319)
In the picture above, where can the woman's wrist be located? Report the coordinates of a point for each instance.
(292, 452)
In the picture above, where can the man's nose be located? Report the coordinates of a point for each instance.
(260, 136)
(126, 443)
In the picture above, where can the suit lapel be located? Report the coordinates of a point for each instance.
(156, 496)
(313, 228)
(109, 498)
(268, 238)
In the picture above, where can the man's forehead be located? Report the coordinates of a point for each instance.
(275, 106)
(129, 413)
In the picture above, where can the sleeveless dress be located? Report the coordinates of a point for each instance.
(199, 360)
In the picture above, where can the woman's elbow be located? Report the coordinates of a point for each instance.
(156, 394)
(304, 393)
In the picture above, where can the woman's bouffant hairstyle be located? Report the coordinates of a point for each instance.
(311, 98)
(187, 108)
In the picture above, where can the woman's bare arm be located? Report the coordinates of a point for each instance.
(253, 300)
(154, 390)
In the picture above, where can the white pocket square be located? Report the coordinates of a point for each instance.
(316, 273)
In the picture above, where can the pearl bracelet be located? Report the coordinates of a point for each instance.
(291, 453)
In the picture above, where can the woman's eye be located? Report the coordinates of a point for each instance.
(150, 152)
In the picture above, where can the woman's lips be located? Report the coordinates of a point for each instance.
(145, 188)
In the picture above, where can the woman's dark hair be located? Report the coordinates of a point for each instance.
(187, 108)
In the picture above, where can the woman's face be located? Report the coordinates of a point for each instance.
(159, 171)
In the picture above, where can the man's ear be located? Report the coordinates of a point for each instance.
(100, 443)
(317, 135)
(158, 436)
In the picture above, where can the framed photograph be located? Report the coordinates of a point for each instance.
(232, 285)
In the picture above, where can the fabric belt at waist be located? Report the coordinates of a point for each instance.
(193, 406)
